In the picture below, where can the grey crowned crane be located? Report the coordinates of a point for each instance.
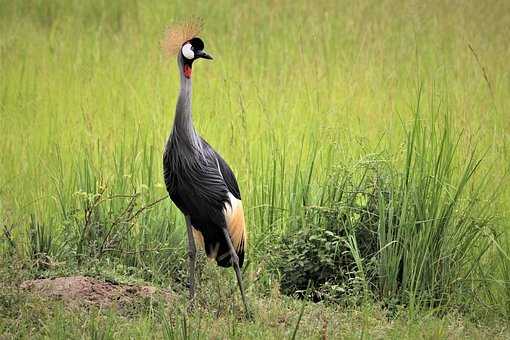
(198, 180)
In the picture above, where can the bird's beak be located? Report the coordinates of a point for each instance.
(203, 54)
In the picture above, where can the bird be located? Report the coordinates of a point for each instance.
(198, 180)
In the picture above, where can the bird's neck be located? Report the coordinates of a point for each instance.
(183, 129)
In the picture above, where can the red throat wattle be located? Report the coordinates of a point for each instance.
(187, 71)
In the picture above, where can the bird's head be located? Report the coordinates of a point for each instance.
(181, 39)
(192, 50)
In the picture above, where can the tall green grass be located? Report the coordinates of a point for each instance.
(433, 220)
(413, 228)
(308, 103)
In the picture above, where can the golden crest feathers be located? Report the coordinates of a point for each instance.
(178, 33)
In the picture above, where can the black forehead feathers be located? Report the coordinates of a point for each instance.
(197, 44)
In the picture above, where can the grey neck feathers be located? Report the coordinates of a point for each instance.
(183, 131)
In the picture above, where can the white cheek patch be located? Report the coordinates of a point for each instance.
(187, 52)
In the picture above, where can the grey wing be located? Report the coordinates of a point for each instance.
(228, 177)
(226, 173)
(194, 182)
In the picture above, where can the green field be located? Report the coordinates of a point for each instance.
(370, 139)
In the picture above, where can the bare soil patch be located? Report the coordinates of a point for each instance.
(83, 290)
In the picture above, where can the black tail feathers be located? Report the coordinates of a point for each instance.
(216, 247)
(223, 259)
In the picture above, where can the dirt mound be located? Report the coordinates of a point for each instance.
(90, 291)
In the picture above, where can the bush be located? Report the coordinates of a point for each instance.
(412, 230)
(320, 260)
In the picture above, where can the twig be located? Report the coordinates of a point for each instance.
(8, 236)
(107, 243)
(147, 250)
(484, 72)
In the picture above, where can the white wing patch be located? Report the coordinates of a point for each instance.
(187, 52)
(234, 217)
(230, 208)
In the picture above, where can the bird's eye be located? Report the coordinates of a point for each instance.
(187, 52)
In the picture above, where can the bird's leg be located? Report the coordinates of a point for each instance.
(192, 255)
(235, 263)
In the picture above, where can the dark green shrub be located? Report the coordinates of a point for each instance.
(322, 257)
(411, 231)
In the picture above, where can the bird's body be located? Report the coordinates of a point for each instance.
(200, 182)
(203, 187)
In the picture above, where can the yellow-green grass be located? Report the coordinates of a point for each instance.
(87, 99)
